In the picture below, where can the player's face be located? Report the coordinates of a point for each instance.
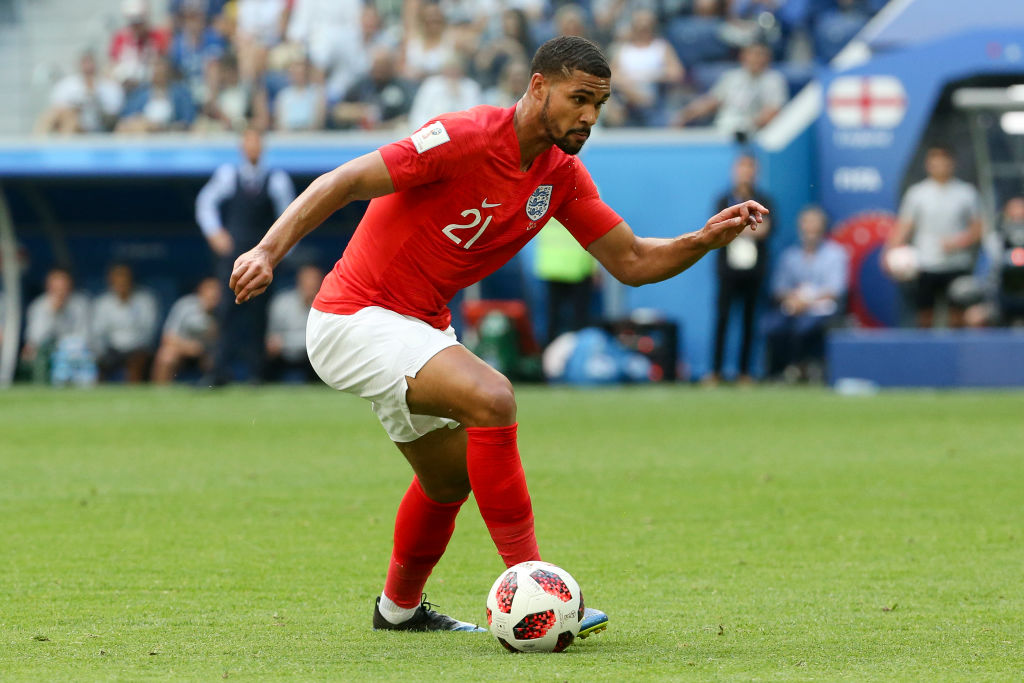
(571, 108)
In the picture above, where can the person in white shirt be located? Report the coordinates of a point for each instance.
(124, 325)
(57, 315)
(744, 99)
(286, 327)
(940, 217)
(646, 66)
(450, 90)
(83, 102)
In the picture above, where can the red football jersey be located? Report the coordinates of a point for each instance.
(461, 209)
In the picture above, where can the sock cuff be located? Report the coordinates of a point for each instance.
(493, 436)
(427, 500)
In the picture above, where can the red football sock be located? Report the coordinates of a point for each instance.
(499, 485)
(423, 528)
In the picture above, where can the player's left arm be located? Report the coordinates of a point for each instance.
(638, 261)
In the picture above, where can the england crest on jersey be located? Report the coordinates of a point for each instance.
(537, 204)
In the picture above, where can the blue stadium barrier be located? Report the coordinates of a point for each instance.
(928, 358)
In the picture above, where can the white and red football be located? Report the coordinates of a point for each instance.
(535, 607)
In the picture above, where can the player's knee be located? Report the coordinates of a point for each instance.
(494, 404)
(446, 491)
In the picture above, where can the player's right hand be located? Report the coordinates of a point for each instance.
(727, 224)
(251, 275)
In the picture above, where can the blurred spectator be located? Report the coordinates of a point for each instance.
(741, 268)
(164, 104)
(330, 31)
(940, 217)
(286, 327)
(515, 78)
(809, 286)
(745, 98)
(514, 44)
(381, 99)
(428, 44)
(190, 333)
(135, 47)
(450, 90)
(646, 68)
(124, 325)
(571, 20)
(234, 209)
(1004, 303)
(259, 26)
(58, 314)
(228, 104)
(567, 271)
(700, 38)
(302, 104)
(85, 102)
(194, 44)
(177, 8)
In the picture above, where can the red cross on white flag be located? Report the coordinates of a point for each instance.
(866, 102)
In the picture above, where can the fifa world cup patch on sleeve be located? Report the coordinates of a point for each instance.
(430, 137)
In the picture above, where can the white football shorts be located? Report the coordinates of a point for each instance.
(369, 354)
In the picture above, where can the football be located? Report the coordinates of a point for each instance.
(535, 607)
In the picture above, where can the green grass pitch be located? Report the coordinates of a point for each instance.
(767, 534)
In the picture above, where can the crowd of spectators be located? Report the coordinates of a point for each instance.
(123, 334)
(299, 65)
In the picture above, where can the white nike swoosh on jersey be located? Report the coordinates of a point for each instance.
(485, 205)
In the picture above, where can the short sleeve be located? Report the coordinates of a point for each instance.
(583, 213)
(442, 149)
(908, 207)
(775, 90)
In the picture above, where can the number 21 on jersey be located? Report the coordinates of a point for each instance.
(450, 229)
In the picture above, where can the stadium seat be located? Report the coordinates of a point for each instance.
(697, 40)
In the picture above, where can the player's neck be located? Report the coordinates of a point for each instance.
(533, 139)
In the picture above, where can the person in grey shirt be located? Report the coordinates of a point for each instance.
(286, 327)
(190, 332)
(743, 99)
(809, 286)
(124, 326)
(57, 314)
(940, 217)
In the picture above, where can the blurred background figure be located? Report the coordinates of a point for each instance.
(259, 26)
(567, 271)
(379, 100)
(124, 326)
(83, 102)
(194, 44)
(646, 71)
(428, 44)
(331, 33)
(809, 287)
(286, 328)
(513, 45)
(450, 90)
(940, 217)
(135, 47)
(999, 300)
(302, 104)
(234, 209)
(515, 78)
(745, 98)
(163, 104)
(58, 315)
(225, 102)
(741, 268)
(189, 334)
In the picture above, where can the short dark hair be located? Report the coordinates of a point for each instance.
(560, 56)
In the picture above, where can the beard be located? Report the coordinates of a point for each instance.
(562, 142)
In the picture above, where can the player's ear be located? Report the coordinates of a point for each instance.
(538, 86)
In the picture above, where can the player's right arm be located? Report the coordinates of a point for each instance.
(363, 178)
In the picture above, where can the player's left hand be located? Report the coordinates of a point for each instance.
(727, 224)
(251, 275)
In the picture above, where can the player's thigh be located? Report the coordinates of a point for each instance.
(439, 461)
(456, 384)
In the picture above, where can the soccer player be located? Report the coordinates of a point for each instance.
(450, 205)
